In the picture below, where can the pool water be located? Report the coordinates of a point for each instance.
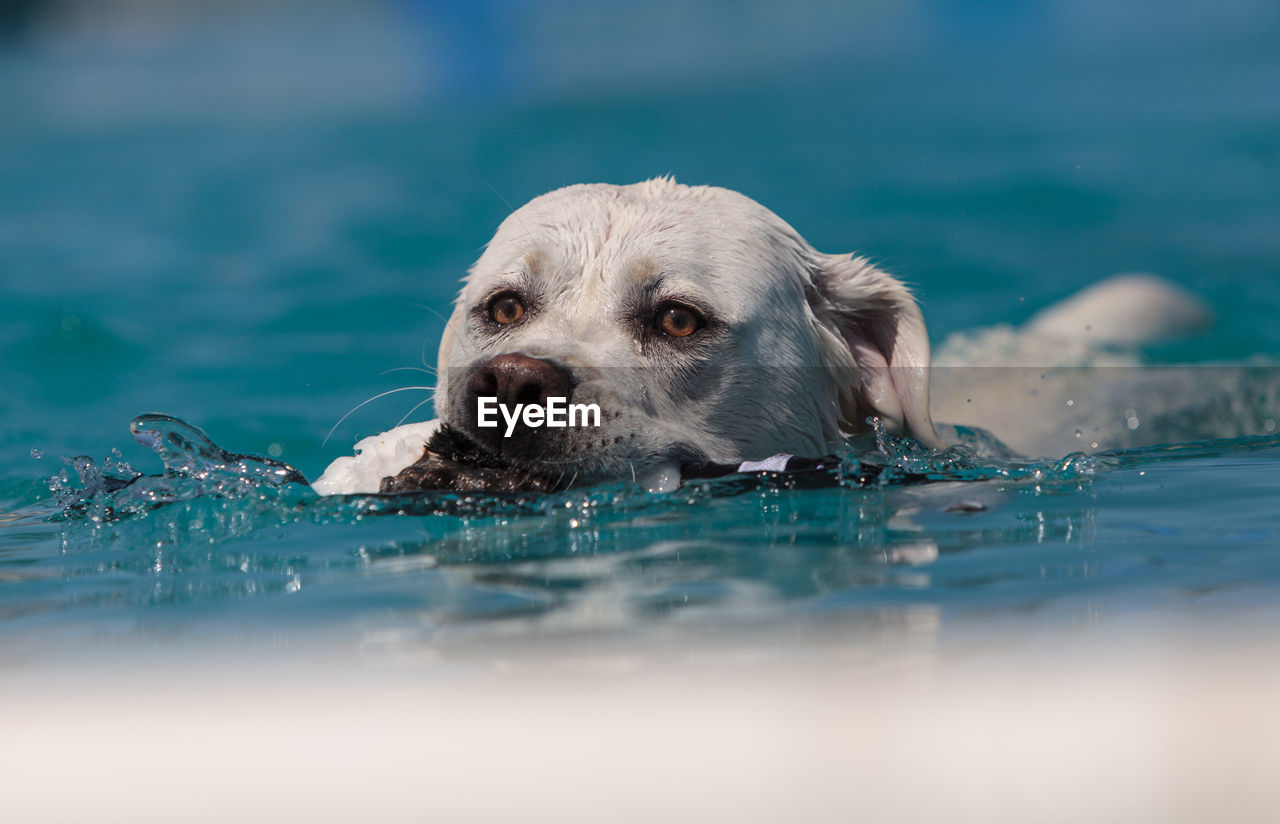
(224, 219)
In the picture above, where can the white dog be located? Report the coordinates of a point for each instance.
(703, 327)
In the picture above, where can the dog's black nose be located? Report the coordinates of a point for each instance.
(516, 378)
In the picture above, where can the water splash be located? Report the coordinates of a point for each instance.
(194, 467)
(907, 457)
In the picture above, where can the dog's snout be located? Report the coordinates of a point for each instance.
(520, 379)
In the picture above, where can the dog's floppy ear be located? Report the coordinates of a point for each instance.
(873, 338)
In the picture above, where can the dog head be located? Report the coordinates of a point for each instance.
(701, 324)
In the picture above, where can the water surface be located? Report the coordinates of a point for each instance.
(231, 222)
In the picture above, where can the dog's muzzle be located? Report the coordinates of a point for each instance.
(514, 380)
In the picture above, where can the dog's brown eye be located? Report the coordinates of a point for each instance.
(506, 308)
(677, 321)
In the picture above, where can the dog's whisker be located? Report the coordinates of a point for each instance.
(428, 370)
(565, 462)
(430, 309)
(422, 356)
(415, 408)
(511, 210)
(358, 406)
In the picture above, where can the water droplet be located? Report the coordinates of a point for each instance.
(1079, 434)
(1269, 425)
(275, 450)
(36, 454)
(1071, 402)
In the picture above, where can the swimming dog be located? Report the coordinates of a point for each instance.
(702, 326)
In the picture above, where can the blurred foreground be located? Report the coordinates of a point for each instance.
(1151, 729)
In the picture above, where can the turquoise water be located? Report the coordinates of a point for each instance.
(245, 223)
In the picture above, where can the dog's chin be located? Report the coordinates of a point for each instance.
(562, 464)
(609, 468)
